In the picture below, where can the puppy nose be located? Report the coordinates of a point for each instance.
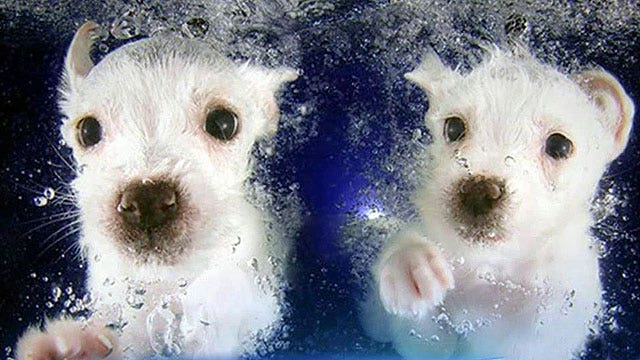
(148, 204)
(479, 195)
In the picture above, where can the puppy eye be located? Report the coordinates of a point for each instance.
(558, 146)
(221, 124)
(89, 131)
(454, 129)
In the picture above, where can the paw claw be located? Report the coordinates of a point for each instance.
(104, 340)
(66, 339)
(413, 280)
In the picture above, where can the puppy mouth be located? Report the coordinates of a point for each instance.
(478, 207)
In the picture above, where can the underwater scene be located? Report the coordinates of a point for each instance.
(319, 179)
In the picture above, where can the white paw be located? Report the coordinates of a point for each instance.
(68, 339)
(413, 280)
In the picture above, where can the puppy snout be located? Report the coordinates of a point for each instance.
(479, 195)
(148, 204)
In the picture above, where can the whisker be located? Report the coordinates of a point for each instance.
(62, 157)
(60, 215)
(52, 243)
(53, 221)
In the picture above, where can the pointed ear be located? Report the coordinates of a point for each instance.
(431, 75)
(616, 108)
(266, 83)
(78, 62)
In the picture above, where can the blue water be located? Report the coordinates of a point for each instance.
(346, 75)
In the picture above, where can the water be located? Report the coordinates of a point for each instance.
(348, 152)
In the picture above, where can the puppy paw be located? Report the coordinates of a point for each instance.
(68, 339)
(413, 280)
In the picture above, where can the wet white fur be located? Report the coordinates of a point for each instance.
(534, 295)
(224, 290)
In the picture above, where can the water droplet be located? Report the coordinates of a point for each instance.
(442, 318)
(104, 48)
(48, 304)
(40, 201)
(416, 135)
(125, 27)
(33, 275)
(56, 292)
(135, 302)
(254, 264)
(462, 161)
(195, 27)
(68, 290)
(509, 161)
(235, 245)
(62, 142)
(49, 193)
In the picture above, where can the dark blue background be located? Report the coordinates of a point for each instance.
(329, 168)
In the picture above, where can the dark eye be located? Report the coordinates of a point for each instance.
(558, 146)
(221, 124)
(89, 131)
(454, 129)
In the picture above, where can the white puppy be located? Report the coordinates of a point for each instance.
(178, 260)
(504, 263)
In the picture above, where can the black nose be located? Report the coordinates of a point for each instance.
(148, 204)
(479, 195)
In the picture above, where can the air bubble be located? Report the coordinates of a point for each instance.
(235, 245)
(462, 161)
(416, 135)
(125, 27)
(49, 193)
(56, 292)
(40, 201)
(136, 302)
(509, 161)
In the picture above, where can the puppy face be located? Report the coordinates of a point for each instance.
(518, 147)
(162, 130)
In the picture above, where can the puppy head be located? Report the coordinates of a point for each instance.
(162, 131)
(518, 148)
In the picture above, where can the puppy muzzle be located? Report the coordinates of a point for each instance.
(478, 205)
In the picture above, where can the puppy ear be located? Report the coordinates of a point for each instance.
(431, 75)
(78, 62)
(616, 108)
(266, 83)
